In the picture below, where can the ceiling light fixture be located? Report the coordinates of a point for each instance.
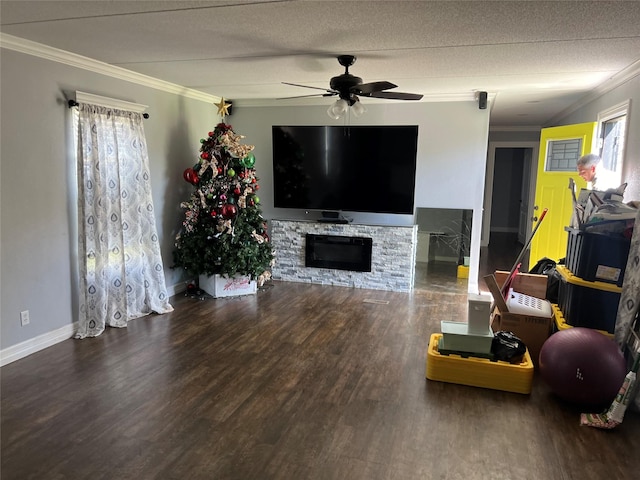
(341, 106)
(358, 109)
(338, 109)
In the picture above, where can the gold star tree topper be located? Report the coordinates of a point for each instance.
(223, 108)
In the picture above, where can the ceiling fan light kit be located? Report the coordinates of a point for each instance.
(348, 87)
(358, 109)
(338, 109)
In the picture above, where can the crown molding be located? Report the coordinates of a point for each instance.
(40, 50)
(611, 83)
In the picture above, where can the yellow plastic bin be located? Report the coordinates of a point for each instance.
(463, 271)
(478, 372)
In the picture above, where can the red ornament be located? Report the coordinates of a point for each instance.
(205, 155)
(220, 170)
(191, 176)
(211, 134)
(229, 211)
(236, 191)
(256, 187)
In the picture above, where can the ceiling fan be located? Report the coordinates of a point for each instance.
(349, 87)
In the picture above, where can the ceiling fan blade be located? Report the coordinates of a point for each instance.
(396, 95)
(367, 88)
(307, 86)
(312, 95)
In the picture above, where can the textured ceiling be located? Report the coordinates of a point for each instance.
(536, 59)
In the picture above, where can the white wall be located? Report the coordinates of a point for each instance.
(38, 221)
(452, 148)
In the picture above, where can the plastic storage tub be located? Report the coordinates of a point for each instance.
(587, 304)
(478, 372)
(561, 323)
(595, 256)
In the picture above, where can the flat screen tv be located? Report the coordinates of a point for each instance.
(345, 168)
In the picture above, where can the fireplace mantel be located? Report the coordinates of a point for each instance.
(392, 258)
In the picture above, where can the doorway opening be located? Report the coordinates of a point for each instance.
(509, 193)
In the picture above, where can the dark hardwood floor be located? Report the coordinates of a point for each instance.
(296, 382)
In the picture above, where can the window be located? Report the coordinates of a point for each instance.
(562, 155)
(612, 125)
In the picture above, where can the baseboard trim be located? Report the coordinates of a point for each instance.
(33, 345)
(177, 288)
(444, 258)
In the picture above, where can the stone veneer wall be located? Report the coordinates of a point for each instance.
(392, 258)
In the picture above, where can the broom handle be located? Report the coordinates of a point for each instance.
(522, 252)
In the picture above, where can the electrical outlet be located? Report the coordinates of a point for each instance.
(24, 318)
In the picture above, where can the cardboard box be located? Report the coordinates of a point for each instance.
(532, 330)
(527, 283)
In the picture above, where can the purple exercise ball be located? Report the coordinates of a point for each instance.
(582, 366)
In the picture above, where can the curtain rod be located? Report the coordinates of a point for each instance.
(73, 103)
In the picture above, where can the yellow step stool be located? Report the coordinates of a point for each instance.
(478, 372)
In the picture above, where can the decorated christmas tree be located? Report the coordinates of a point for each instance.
(223, 231)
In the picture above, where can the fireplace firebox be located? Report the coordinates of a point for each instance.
(339, 252)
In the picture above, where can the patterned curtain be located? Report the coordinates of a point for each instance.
(121, 271)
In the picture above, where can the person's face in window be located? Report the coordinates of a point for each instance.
(587, 172)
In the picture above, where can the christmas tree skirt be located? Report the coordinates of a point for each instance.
(220, 286)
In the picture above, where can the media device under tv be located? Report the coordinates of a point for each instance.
(332, 217)
(345, 168)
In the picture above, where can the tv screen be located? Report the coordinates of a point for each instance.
(350, 168)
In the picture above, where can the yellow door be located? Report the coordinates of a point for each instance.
(560, 148)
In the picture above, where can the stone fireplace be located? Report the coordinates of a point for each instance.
(341, 251)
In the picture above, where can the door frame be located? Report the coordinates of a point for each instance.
(488, 184)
